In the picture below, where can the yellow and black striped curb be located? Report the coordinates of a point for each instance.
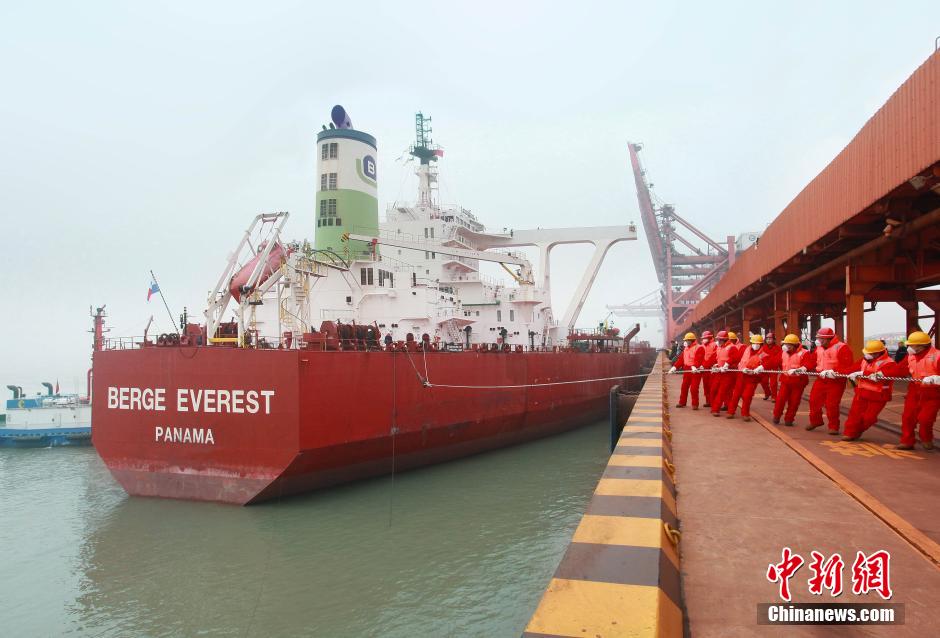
(620, 574)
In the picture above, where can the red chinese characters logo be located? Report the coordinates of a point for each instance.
(783, 571)
(826, 575)
(871, 573)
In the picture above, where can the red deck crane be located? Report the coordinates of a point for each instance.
(687, 272)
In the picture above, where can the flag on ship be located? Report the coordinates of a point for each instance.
(154, 289)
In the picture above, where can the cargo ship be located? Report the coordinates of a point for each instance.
(378, 347)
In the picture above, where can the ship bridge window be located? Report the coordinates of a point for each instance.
(512, 314)
(365, 276)
(499, 315)
(329, 221)
(331, 207)
(332, 182)
(334, 150)
(323, 181)
(384, 276)
(324, 151)
(322, 208)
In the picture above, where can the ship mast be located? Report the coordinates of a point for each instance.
(427, 153)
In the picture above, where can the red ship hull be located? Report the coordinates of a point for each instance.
(328, 417)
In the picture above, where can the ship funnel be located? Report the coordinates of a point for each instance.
(340, 117)
(15, 390)
(48, 387)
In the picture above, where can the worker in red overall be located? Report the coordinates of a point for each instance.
(751, 376)
(923, 393)
(690, 361)
(726, 372)
(871, 393)
(739, 379)
(711, 358)
(772, 360)
(833, 357)
(794, 357)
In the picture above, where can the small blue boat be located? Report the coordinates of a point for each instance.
(45, 420)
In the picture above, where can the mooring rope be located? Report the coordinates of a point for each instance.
(426, 380)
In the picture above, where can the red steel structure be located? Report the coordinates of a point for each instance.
(687, 273)
(865, 230)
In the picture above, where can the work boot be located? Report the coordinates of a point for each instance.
(695, 407)
(680, 405)
(928, 445)
(715, 414)
(777, 420)
(833, 433)
(708, 405)
(812, 427)
(747, 419)
(766, 398)
(729, 416)
(901, 446)
(851, 438)
(789, 424)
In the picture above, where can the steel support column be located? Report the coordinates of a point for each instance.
(855, 322)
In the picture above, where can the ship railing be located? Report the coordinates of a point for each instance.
(267, 342)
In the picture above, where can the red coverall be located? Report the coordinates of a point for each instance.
(739, 381)
(694, 355)
(723, 383)
(773, 359)
(827, 393)
(871, 396)
(746, 387)
(711, 358)
(922, 401)
(790, 392)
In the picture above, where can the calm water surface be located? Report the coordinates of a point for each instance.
(460, 549)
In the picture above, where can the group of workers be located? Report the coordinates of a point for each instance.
(730, 373)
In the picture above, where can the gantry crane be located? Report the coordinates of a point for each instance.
(686, 268)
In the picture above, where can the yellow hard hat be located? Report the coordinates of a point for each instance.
(689, 336)
(873, 347)
(792, 340)
(757, 339)
(733, 336)
(918, 339)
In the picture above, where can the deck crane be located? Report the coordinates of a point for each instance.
(687, 268)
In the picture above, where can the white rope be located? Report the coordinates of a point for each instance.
(428, 384)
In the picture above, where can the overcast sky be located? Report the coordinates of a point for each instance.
(147, 135)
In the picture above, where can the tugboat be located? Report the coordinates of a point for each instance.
(46, 420)
(53, 419)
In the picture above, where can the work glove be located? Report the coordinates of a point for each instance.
(931, 380)
(694, 369)
(672, 370)
(878, 375)
(796, 371)
(758, 369)
(855, 375)
(723, 368)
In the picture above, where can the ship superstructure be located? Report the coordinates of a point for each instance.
(419, 272)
